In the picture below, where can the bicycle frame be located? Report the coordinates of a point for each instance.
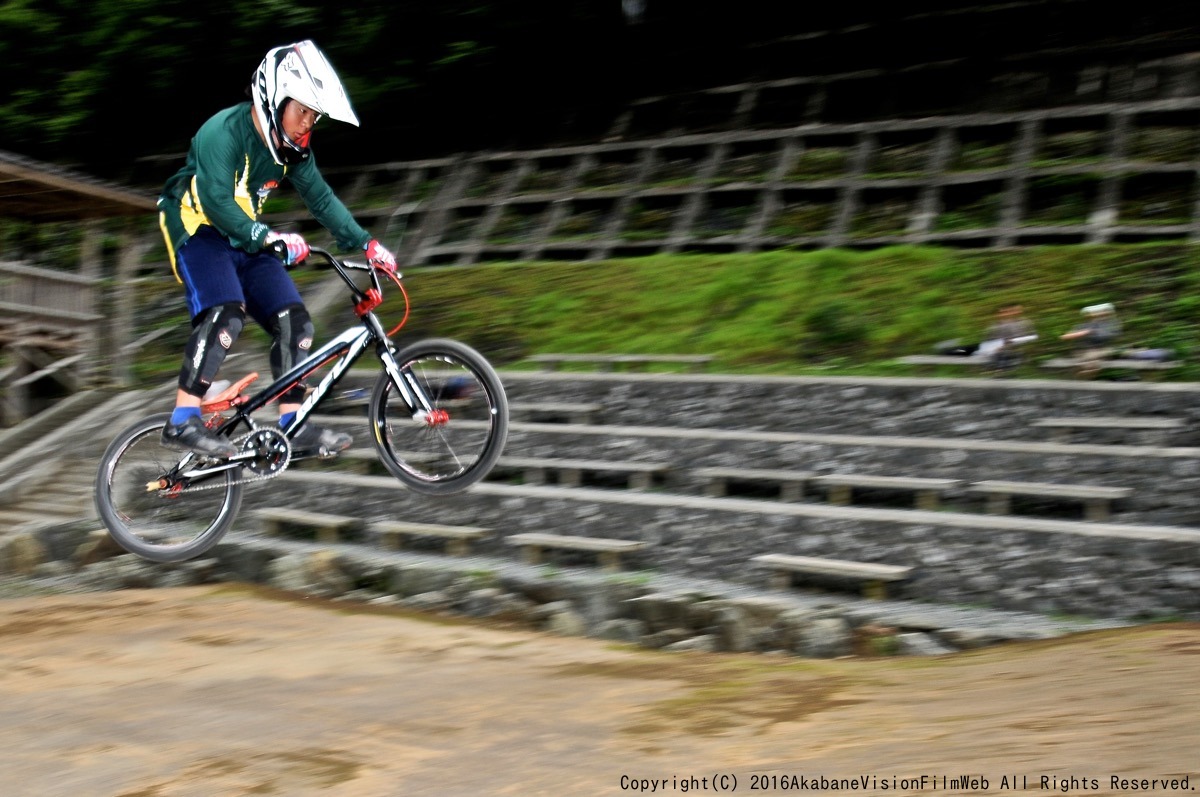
(345, 350)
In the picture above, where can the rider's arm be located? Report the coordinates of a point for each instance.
(326, 208)
(222, 186)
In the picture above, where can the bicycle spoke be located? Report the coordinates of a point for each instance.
(454, 442)
(150, 508)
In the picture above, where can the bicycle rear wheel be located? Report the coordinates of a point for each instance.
(164, 521)
(448, 449)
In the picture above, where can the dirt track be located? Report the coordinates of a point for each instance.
(225, 691)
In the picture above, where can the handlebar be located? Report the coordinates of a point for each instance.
(341, 266)
(364, 300)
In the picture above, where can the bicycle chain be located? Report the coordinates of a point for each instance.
(249, 480)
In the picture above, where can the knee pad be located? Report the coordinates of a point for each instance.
(292, 329)
(213, 332)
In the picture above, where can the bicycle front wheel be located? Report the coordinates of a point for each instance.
(456, 441)
(151, 508)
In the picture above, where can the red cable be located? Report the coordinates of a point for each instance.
(407, 306)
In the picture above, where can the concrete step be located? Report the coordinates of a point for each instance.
(1001, 561)
(966, 626)
(1163, 493)
(980, 409)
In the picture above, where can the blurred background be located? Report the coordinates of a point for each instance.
(102, 84)
(780, 175)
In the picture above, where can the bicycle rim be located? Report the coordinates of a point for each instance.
(162, 525)
(457, 444)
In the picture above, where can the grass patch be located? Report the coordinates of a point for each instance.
(785, 312)
(824, 312)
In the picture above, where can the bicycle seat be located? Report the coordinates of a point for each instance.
(228, 397)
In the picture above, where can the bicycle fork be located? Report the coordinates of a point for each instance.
(411, 392)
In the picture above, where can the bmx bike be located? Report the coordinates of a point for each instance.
(438, 419)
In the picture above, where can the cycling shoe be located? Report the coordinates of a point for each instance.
(313, 439)
(193, 435)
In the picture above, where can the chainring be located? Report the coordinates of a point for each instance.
(270, 449)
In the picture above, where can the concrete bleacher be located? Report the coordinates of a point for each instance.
(633, 475)
(1160, 494)
(768, 502)
(956, 557)
(873, 576)
(1154, 430)
(1097, 501)
(968, 408)
(1157, 475)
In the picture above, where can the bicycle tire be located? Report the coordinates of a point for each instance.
(159, 525)
(447, 456)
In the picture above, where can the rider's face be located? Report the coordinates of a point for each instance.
(298, 121)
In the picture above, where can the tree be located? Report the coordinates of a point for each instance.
(104, 82)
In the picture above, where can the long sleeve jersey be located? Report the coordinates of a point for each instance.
(229, 174)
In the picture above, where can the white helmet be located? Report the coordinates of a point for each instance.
(296, 72)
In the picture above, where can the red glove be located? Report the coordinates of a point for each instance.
(294, 248)
(378, 255)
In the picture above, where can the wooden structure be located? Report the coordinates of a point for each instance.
(52, 319)
(1096, 500)
(391, 534)
(1107, 172)
(1152, 430)
(325, 527)
(608, 551)
(873, 577)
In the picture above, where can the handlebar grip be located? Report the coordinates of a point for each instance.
(279, 249)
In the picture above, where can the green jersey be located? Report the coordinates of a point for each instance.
(229, 174)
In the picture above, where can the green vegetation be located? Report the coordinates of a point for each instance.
(1074, 146)
(788, 312)
(1163, 145)
(825, 312)
(900, 160)
(816, 163)
(435, 75)
(976, 214)
(801, 219)
(975, 155)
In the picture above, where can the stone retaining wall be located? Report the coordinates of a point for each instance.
(1118, 570)
(1166, 482)
(657, 611)
(981, 409)
(970, 429)
(1089, 569)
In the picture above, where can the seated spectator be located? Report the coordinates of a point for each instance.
(1004, 339)
(1095, 338)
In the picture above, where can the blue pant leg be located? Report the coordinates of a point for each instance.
(207, 264)
(267, 286)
